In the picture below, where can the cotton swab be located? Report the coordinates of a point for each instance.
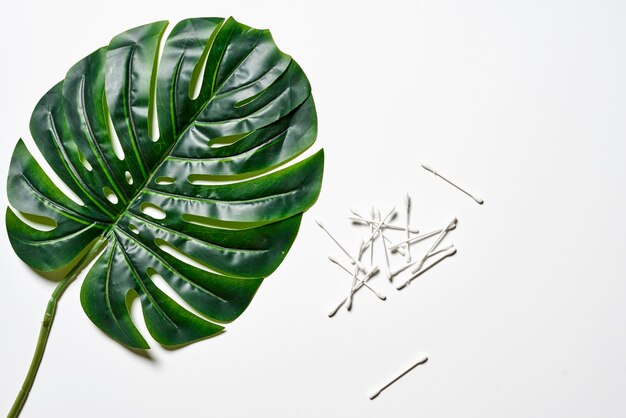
(378, 294)
(447, 254)
(368, 276)
(358, 263)
(384, 246)
(362, 247)
(406, 266)
(390, 215)
(398, 250)
(373, 396)
(363, 221)
(407, 204)
(476, 199)
(372, 211)
(355, 274)
(398, 246)
(435, 245)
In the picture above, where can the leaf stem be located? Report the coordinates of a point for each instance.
(46, 325)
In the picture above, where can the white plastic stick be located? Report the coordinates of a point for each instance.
(362, 247)
(398, 250)
(476, 199)
(368, 276)
(406, 266)
(384, 246)
(447, 254)
(372, 231)
(435, 245)
(355, 275)
(397, 246)
(407, 203)
(422, 361)
(391, 214)
(373, 223)
(359, 280)
(358, 263)
(362, 221)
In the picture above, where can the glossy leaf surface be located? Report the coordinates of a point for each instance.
(174, 158)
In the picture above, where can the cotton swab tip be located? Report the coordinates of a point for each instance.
(427, 167)
(317, 221)
(374, 396)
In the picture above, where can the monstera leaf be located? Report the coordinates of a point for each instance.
(174, 163)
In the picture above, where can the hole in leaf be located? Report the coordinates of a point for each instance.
(166, 287)
(201, 179)
(129, 178)
(214, 179)
(131, 295)
(154, 132)
(38, 222)
(133, 306)
(84, 161)
(115, 141)
(110, 195)
(54, 177)
(216, 223)
(250, 99)
(133, 229)
(197, 76)
(165, 180)
(175, 252)
(225, 141)
(152, 210)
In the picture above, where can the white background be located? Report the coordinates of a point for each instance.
(522, 101)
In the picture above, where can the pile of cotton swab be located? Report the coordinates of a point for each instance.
(382, 229)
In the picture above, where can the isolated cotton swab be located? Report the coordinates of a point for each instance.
(476, 199)
(424, 360)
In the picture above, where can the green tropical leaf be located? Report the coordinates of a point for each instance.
(201, 201)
